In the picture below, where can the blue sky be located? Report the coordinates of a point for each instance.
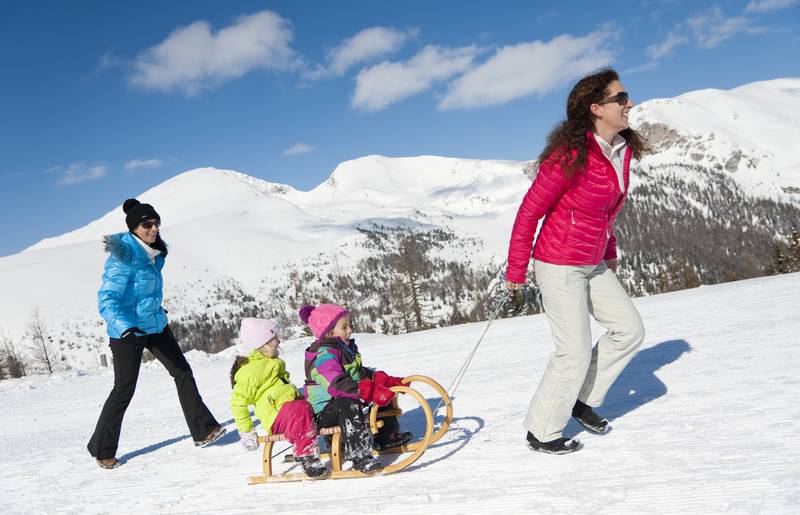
(101, 100)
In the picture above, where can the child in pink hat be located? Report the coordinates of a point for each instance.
(261, 380)
(338, 386)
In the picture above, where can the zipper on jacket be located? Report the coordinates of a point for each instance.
(573, 216)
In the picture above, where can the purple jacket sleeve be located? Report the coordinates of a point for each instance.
(340, 384)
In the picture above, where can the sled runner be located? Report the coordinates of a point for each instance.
(335, 456)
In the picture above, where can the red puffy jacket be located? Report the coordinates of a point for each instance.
(579, 212)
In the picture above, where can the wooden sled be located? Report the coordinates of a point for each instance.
(415, 449)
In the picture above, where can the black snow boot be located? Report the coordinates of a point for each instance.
(557, 446)
(586, 417)
(312, 466)
(394, 440)
(368, 464)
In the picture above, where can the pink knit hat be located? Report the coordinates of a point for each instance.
(322, 318)
(255, 332)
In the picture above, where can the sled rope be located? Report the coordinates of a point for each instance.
(451, 390)
(325, 431)
(281, 452)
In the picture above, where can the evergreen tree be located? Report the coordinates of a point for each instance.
(786, 259)
(11, 360)
(793, 253)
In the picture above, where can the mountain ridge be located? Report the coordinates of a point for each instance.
(240, 244)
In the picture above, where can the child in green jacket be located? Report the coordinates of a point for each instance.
(261, 380)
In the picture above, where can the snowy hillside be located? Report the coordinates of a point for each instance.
(725, 172)
(704, 417)
(750, 132)
(234, 233)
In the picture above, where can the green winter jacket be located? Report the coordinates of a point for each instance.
(264, 383)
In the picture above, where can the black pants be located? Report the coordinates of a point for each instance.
(127, 360)
(390, 426)
(348, 415)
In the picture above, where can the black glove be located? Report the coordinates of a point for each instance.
(129, 335)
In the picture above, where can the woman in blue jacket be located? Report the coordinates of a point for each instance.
(130, 302)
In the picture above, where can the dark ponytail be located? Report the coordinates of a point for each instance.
(238, 363)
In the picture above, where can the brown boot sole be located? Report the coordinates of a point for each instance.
(109, 463)
(212, 437)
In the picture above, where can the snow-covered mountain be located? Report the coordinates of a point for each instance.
(722, 183)
(234, 235)
(750, 132)
(719, 190)
(237, 225)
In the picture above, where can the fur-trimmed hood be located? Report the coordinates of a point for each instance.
(116, 245)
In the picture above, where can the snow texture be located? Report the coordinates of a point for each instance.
(705, 421)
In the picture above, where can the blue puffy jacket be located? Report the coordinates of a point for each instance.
(132, 288)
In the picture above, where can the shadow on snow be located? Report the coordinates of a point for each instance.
(230, 437)
(637, 384)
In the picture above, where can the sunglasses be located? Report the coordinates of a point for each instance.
(620, 98)
(149, 225)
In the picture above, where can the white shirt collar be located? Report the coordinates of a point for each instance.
(151, 252)
(616, 144)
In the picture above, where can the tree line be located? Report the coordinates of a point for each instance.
(683, 226)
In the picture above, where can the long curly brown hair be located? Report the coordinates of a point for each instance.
(567, 141)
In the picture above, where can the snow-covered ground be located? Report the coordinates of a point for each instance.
(705, 420)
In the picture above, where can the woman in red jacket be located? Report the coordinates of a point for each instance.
(581, 184)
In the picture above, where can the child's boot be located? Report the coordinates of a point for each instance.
(393, 440)
(368, 464)
(312, 466)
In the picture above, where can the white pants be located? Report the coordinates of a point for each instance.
(576, 370)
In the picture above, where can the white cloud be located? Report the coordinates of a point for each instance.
(517, 71)
(106, 62)
(760, 6)
(648, 66)
(78, 172)
(194, 58)
(133, 164)
(298, 148)
(364, 46)
(659, 50)
(389, 82)
(707, 29)
(712, 27)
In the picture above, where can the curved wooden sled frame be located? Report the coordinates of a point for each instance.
(335, 456)
(448, 416)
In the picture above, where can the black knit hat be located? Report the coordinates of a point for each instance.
(136, 213)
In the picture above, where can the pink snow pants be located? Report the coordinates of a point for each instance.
(295, 421)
